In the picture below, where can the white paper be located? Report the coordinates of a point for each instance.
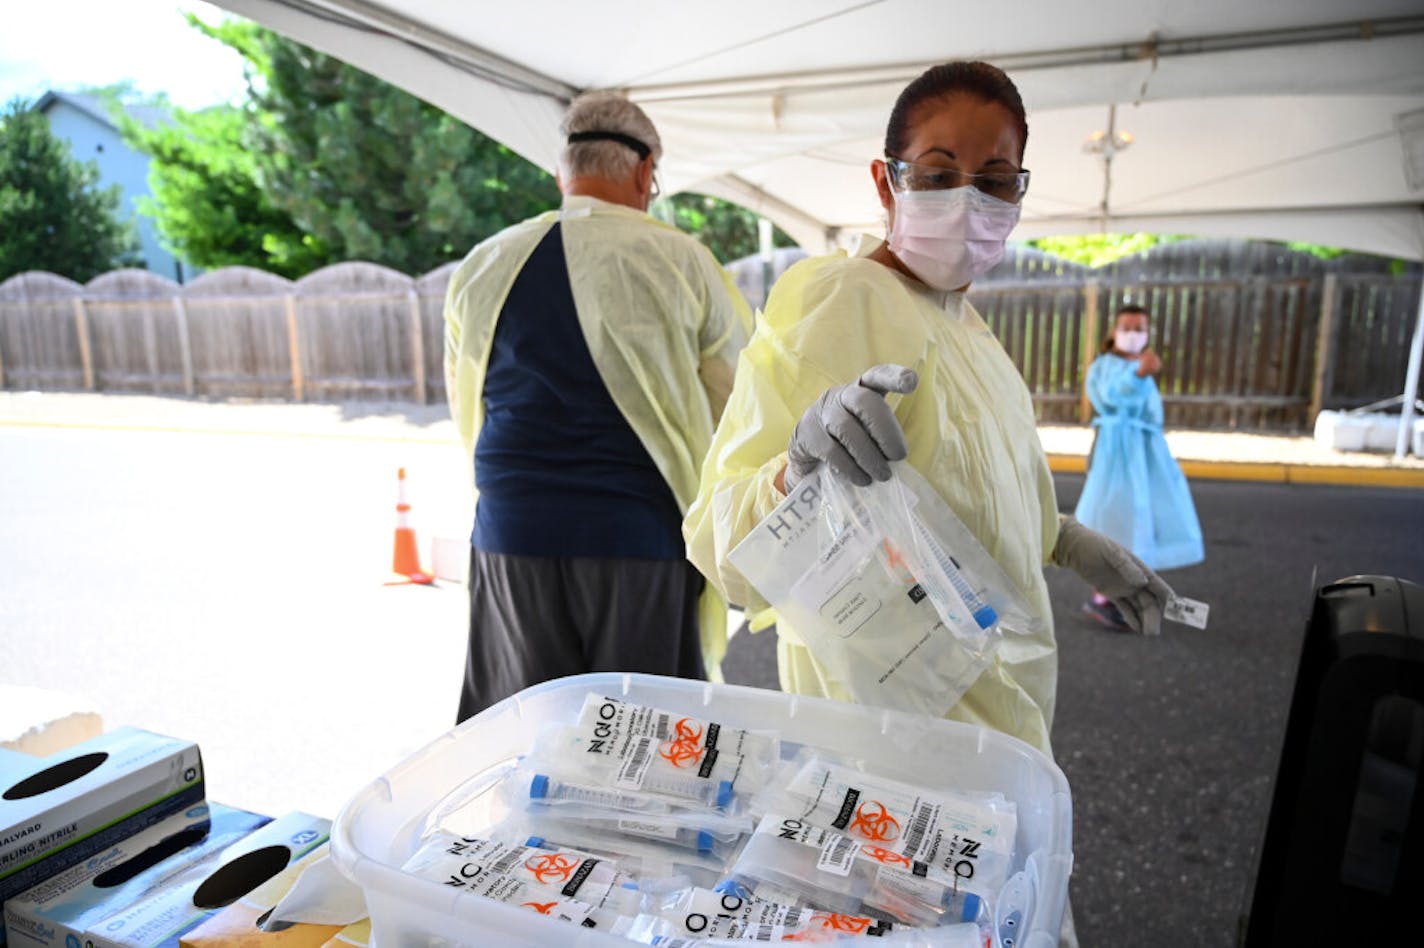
(1187, 612)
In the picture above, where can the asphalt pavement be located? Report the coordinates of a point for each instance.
(1170, 744)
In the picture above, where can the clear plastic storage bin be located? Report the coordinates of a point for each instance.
(380, 827)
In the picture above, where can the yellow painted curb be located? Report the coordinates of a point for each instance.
(1272, 472)
(1067, 463)
(1237, 471)
(1359, 476)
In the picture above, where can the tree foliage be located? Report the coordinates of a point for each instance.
(1098, 250)
(728, 230)
(325, 163)
(207, 201)
(369, 172)
(53, 214)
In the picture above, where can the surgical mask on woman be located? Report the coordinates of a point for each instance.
(1131, 341)
(950, 237)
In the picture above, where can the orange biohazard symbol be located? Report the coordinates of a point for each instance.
(687, 748)
(873, 821)
(824, 926)
(897, 559)
(543, 908)
(886, 856)
(551, 867)
(837, 922)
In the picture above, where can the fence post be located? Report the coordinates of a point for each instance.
(1089, 352)
(1247, 328)
(417, 346)
(1324, 346)
(294, 349)
(150, 347)
(86, 350)
(185, 344)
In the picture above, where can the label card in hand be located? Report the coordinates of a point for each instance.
(1187, 612)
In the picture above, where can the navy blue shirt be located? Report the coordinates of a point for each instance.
(560, 473)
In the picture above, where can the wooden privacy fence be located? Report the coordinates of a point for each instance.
(1252, 335)
(354, 331)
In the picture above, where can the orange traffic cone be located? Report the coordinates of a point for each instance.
(406, 559)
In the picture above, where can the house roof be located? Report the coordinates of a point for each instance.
(98, 109)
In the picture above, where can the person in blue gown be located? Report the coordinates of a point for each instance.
(1135, 492)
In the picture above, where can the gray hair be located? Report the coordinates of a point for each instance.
(604, 112)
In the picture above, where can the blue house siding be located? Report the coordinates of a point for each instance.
(81, 121)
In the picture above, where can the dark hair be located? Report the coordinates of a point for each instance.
(987, 82)
(1126, 309)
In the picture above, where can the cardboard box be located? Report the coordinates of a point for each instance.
(57, 811)
(185, 899)
(355, 935)
(62, 907)
(239, 925)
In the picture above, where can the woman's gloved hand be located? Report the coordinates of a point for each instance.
(851, 428)
(1112, 569)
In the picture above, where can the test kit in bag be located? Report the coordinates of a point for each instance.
(545, 799)
(846, 875)
(468, 862)
(703, 914)
(956, 840)
(886, 586)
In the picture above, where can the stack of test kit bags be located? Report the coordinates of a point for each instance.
(609, 810)
(59, 811)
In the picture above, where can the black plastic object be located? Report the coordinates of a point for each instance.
(1342, 861)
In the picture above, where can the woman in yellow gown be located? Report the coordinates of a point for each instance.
(843, 337)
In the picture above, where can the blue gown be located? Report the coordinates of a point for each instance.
(1135, 492)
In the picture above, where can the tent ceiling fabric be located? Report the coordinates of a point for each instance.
(1252, 118)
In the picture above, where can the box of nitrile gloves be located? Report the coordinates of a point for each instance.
(147, 903)
(61, 909)
(248, 922)
(57, 811)
(184, 900)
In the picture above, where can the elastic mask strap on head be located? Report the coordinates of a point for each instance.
(627, 140)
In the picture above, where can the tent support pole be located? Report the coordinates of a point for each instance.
(1411, 381)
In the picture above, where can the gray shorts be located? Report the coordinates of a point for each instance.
(534, 618)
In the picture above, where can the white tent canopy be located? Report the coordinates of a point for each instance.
(1284, 119)
(1251, 118)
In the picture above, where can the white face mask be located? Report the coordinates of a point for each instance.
(948, 238)
(1131, 341)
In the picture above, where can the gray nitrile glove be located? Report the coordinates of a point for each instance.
(851, 428)
(1112, 569)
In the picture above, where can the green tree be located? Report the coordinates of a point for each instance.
(728, 230)
(53, 214)
(367, 171)
(207, 201)
(1097, 250)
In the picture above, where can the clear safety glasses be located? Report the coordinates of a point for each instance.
(1009, 186)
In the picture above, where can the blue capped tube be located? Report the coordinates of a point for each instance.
(984, 614)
